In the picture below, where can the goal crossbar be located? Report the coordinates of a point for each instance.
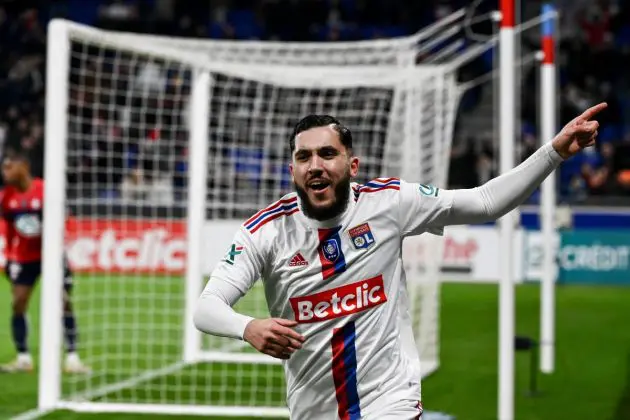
(328, 76)
(392, 51)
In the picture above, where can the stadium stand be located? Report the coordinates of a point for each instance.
(595, 50)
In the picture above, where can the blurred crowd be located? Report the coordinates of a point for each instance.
(594, 51)
(22, 77)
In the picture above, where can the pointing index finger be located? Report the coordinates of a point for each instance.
(594, 110)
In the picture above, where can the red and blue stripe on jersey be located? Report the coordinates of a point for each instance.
(280, 208)
(330, 253)
(375, 185)
(344, 366)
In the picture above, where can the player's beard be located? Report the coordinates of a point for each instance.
(342, 193)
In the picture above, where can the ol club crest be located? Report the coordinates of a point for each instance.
(361, 236)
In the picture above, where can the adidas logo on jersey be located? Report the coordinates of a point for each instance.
(298, 261)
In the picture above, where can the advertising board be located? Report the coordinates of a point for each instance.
(159, 246)
(594, 256)
(470, 253)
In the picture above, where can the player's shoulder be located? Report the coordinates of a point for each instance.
(38, 186)
(376, 189)
(273, 215)
(36, 192)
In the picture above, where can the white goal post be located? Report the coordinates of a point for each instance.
(158, 148)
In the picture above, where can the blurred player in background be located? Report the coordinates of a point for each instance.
(329, 256)
(21, 204)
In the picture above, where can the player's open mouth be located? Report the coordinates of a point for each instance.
(318, 186)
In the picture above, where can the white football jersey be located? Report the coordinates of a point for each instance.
(343, 281)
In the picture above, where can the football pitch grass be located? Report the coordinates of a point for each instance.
(591, 381)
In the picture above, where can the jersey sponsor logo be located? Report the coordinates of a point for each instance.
(28, 225)
(232, 253)
(361, 236)
(429, 190)
(298, 261)
(340, 301)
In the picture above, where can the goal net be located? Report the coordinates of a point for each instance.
(157, 150)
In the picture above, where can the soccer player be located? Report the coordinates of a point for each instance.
(329, 256)
(21, 206)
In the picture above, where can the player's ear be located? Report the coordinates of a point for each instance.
(354, 166)
(291, 172)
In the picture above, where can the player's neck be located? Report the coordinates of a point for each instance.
(24, 184)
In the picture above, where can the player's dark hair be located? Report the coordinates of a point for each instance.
(314, 120)
(17, 155)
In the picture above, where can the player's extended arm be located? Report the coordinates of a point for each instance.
(502, 194)
(505, 192)
(214, 314)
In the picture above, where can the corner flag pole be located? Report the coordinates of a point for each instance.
(548, 193)
(507, 110)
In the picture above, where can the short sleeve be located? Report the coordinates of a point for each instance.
(423, 208)
(243, 262)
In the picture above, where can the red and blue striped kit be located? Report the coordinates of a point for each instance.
(344, 365)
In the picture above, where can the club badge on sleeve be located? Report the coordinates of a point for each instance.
(361, 236)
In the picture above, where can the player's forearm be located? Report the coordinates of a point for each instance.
(505, 192)
(214, 314)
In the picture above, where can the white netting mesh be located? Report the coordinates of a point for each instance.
(127, 160)
(438, 42)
